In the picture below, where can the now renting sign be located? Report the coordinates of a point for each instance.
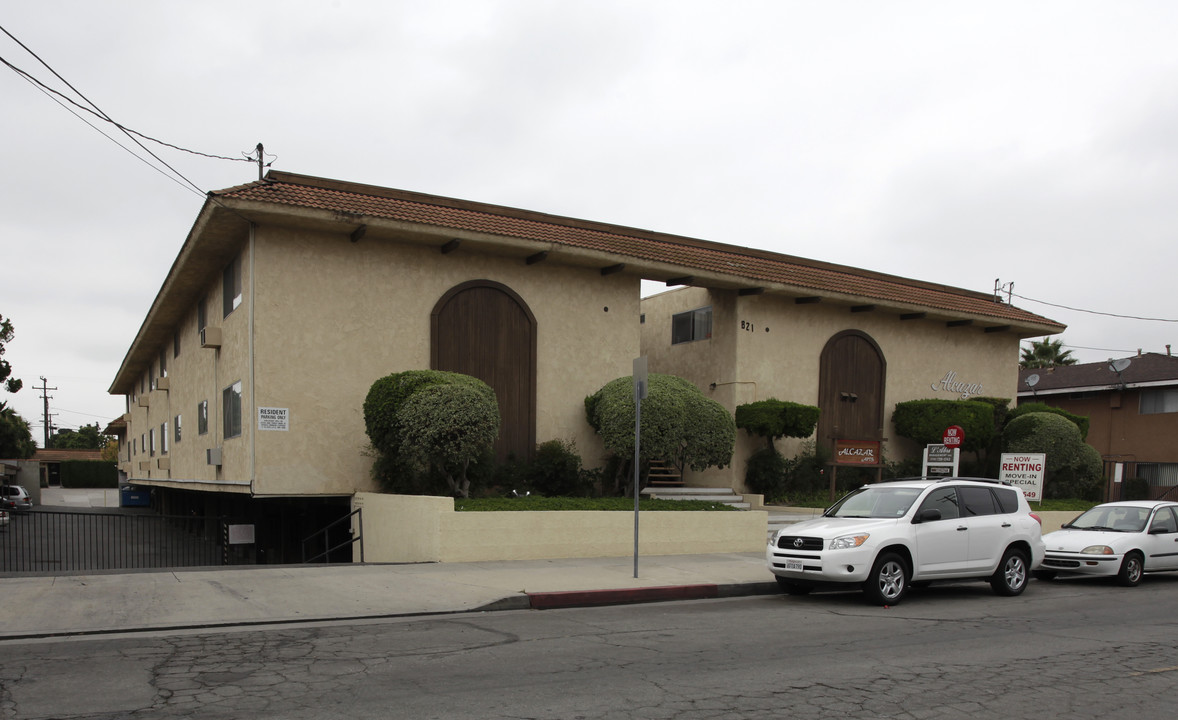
(1026, 471)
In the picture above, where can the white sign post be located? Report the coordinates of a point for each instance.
(940, 461)
(1024, 470)
(640, 376)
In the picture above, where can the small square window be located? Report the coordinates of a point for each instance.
(691, 325)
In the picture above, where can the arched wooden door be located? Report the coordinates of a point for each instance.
(484, 329)
(851, 389)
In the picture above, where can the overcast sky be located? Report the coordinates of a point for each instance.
(1035, 143)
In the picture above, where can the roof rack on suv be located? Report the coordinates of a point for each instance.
(992, 481)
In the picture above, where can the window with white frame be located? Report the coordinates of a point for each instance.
(231, 409)
(1159, 400)
(176, 424)
(691, 325)
(151, 441)
(231, 286)
(202, 417)
(163, 438)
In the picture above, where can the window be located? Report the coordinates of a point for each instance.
(151, 377)
(163, 362)
(134, 446)
(151, 439)
(176, 423)
(1163, 521)
(691, 325)
(176, 344)
(202, 417)
(976, 501)
(163, 439)
(231, 408)
(1164, 400)
(943, 499)
(231, 286)
(202, 318)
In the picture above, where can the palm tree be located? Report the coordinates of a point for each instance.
(1046, 353)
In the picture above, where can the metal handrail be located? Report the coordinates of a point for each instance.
(355, 536)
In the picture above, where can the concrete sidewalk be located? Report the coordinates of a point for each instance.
(47, 606)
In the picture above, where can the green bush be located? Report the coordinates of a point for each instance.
(765, 474)
(1080, 421)
(535, 502)
(556, 471)
(1073, 469)
(89, 474)
(925, 421)
(775, 418)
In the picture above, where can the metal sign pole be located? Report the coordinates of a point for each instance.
(639, 393)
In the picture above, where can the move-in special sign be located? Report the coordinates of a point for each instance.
(273, 418)
(1024, 470)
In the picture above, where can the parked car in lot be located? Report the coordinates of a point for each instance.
(1124, 540)
(887, 536)
(15, 497)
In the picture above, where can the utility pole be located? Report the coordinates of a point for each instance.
(45, 396)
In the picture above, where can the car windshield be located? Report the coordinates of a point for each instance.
(1117, 518)
(876, 502)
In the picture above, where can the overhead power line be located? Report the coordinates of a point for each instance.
(134, 135)
(1093, 312)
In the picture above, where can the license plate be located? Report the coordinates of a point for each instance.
(793, 565)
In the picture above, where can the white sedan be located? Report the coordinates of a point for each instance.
(1120, 539)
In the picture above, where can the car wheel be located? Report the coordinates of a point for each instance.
(1132, 568)
(1044, 574)
(1011, 576)
(793, 587)
(888, 581)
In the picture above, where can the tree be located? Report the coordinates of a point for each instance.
(678, 423)
(1046, 353)
(11, 384)
(16, 439)
(87, 437)
(424, 421)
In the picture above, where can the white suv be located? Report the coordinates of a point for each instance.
(888, 536)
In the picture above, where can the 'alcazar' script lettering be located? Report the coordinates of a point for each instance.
(950, 383)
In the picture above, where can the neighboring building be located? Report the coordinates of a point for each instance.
(291, 295)
(1132, 410)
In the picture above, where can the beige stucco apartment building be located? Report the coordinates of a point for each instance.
(291, 295)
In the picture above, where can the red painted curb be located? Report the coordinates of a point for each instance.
(622, 596)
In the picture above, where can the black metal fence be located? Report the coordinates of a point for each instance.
(51, 541)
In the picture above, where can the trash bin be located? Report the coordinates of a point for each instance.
(131, 496)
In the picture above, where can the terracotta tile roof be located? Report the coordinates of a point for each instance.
(746, 265)
(1151, 369)
(43, 455)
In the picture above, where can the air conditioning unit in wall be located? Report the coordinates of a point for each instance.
(213, 456)
(144, 401)
(163, 463)
(210, 337)
(162, 384)
(145, 465)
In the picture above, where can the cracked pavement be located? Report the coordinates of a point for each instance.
(1074, 649)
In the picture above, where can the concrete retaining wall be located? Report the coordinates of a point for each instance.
(408, 528)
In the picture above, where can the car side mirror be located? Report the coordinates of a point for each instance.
(928, 515)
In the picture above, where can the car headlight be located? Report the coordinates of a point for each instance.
(848, 541)
(1097, 550)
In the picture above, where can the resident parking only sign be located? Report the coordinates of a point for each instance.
(1024, 470)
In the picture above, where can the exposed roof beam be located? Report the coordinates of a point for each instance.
(451, 246)
(743, 292)
(807, 300)
(862, 308)
(997, 328)
(914, 316)
(685, 280)
(959, 323)
(612, 269)
(359, 233)
(538, 257)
